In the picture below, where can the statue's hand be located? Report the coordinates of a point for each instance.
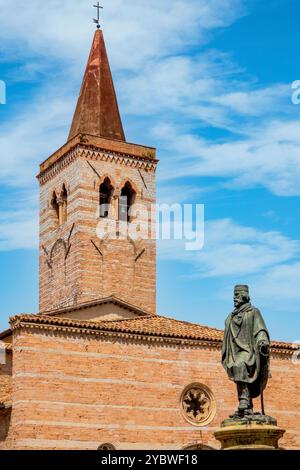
(264, 348)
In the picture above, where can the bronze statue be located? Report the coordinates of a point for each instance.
(245, 351)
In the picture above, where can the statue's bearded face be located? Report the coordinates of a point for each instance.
(239, 299)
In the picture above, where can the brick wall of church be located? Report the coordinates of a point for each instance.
(77, 392)
(6, 380)
(5, 399)
(78, 265)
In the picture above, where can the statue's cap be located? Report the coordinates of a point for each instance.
(242, 288)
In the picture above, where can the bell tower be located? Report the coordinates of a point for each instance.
(89, 190)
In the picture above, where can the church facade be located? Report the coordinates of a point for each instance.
(98, 367)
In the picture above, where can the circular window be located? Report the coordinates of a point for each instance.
(106, 447)
(198, 404)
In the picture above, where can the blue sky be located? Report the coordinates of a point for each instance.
(206, 82)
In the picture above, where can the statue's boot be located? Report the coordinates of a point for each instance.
(244, 405)
(249, 411)
(245, 401)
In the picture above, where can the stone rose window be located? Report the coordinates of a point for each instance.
(198, 405)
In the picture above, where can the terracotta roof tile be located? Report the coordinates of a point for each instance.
(158, 326)
(148, 325)
(164, 326)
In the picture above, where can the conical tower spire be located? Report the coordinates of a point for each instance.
(97, 112)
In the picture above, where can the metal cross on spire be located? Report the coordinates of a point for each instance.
(97, 21)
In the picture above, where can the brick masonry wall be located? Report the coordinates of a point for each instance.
(6, 380)
(75, 392)
(77, 265)
(5, 399)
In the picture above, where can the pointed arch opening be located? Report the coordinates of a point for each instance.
(105, 195)
(64, 205)
(55, 207)
(127, 199)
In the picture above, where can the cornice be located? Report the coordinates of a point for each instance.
(95, 154)
(117, 335)
(79, 327)
(64, 161)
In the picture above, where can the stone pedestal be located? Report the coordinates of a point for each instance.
(256, 432)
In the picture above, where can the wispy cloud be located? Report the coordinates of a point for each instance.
(161, 27)
(19, 221)
(267, 260)
(269, 156)
(59, 44)
(232, 249)
(30, 137)
(159, 81)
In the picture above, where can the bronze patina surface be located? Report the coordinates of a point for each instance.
(245, 351)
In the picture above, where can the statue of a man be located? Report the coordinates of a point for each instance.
(245, 352)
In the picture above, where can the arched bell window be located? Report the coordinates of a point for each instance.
(126, 201)
(64, 205)
(106, 192)
(55, 207)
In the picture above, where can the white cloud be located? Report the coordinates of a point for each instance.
(256, 102)
(231, 249)
(234, 254)
(29, 138)
(200, 87)
(170, 194)
(19, 221)
(276, 289)
(154, 80)
(18, 232)
(53, 39)
(280, 284)
(235, 250)
(145, 30)
(136, 36)
(269, 156)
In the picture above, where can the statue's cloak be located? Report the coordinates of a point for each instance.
(241, 358)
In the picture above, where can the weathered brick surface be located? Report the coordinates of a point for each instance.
(78, 391)
(78, 265)
(6, 380)
(6, 400)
